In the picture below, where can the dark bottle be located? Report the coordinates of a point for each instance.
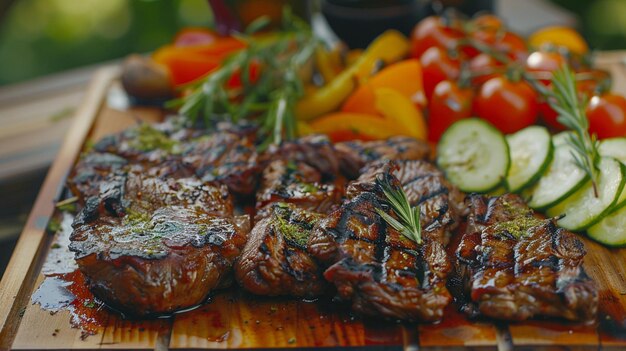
(357, 22)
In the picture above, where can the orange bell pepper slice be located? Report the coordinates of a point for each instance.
(341, 126)
(404, 77)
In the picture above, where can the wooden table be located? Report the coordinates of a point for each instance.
(15, 291)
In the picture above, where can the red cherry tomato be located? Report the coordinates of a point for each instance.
(437, 65)
(510, 106)
(487, 22)
(433, 31)
(544, 63)
(607, 116)
(195, 36)
(508, 43)
(449, 103)
(484, 67)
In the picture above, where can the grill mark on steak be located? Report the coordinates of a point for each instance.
(441, 203)
(149, 245)
(274, 261)
(375, 267)
(299, 184)
(517, 266)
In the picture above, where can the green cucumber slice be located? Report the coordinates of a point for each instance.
(561, 179)
(615, 147)
(474, 155)
(531, 153)
(611, 230)
(583, 209)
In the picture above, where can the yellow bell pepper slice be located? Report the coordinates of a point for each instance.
(559, 36)
(399, 110)
(388, 47)
(341, 126)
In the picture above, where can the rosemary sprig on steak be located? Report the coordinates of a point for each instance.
(408, 222)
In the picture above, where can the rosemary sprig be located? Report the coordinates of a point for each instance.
(408, 222)
(565, 101)
(270, 100)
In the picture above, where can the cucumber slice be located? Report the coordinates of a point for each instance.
(531, 153)
(583, 209)
(615, 147)
(611, 230)
(562, 178)
(474, 155)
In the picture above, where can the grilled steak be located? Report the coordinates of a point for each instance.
(441, 203)
(225, 157)
(516, 266)
(153, 246)
(375, 267)
(297, 183)
(354, 155)
(314, 150)
(274, 260)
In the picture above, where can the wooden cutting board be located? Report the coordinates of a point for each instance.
(235, 320)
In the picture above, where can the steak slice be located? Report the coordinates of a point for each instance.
(375, 267)
(225, 157)
(441, 204)
(314, 150)
(299, 184)
(274, 260)
(354, 155)
(153, 246)
(516, 265)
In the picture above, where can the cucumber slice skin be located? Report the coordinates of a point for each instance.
(463, 131)
(562, 157)
(576, 200)
(536, 133)
(611, 230)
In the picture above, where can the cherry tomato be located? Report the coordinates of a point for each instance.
(548, 115)
(484, 67)
(607, 115)
(510, 106)
(195, 36)
(437, 65)
(433, 31)
(449, 103)
(587, 83)
(544, 63)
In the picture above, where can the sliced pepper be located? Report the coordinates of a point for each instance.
(388, 47)
(404, 77)
(401, 112)
(189, 63)
(341, 126)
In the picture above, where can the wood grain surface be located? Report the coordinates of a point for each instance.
(236, 320)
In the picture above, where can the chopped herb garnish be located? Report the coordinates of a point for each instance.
(149, 138)
(408, 222)
(54, 225)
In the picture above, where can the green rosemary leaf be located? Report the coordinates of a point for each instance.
(564, 99)
(408, 222)
(257, 25)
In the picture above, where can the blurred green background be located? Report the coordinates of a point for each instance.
(39, 37)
